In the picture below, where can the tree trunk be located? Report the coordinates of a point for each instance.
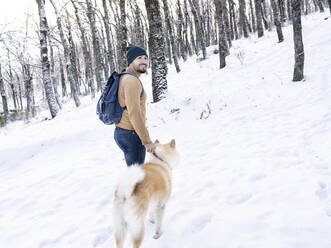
(138, 25)
(96, 46)
(12, 82)
(277, 21)
(52, 71)
(252, 15)
(307, 7)
(181, 29)
(66, 49)
(156, 48)
(87, 56)
(109, 42)
(202, 10)
(289, 10)
(243, 25)
(281, 4)
(171, 34)
(200, 37)
(258, 11)
(227, 23)
(30, 104)
(123, 36)
(233, 22)
(73, 59)
(320, 5)
(63, 80)
(187, 23)
(4, 99)
(264, 15)
(19, 92)
(298, 44)
(167, 46)
(329, 1)
(103, 50)
(222, 45)
(44, 60)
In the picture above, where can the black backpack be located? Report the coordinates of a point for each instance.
(108, 108)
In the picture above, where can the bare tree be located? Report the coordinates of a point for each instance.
(227, 23)
(200, 37)
(19, 86)
(243, 22)
(258, 12)
(180, 29)
(96, 46)
(117, 55)
(277, 22)
(73, 55)
(4, 98)
(12, 82)
(289, 10)
(233, 22)
(188, 24)
(52, 71)
(87, 56)
(44, 60)
(156, 50)
(320, 5)
(265, 14)
(252, 15)
(109, 53)
(222, 45)
(171, 34)
(30, 103)
(62, 77)
(122, 36)
(298, 44)
(281, 4)
(70, 74)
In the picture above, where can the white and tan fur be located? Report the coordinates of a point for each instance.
(142, 188)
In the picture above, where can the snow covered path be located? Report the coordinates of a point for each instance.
(254, 173)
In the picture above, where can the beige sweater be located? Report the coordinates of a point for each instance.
(134, 116)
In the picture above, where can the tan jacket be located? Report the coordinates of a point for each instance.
(134, 116)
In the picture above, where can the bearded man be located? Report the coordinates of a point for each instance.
(131, 133)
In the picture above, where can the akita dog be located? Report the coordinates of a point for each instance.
(142, 188)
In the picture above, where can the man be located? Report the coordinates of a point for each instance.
(131, 134)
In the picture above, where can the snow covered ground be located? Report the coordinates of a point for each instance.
(254, 172)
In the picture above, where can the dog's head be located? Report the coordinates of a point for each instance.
(167, 153)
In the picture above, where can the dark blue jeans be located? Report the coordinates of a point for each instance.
(131, 145)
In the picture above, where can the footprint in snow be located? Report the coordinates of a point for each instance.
(104, 235)
(322, 193)
(238, 199)
(200, 222)
(257, 177)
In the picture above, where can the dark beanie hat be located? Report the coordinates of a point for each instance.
(133, 52)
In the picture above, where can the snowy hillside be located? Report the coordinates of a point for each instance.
(254, 172)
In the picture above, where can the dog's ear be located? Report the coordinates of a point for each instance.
(156, 141)
(173, 143)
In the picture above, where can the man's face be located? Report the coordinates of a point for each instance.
(140, 63)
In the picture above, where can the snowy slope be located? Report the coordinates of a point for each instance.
(255, 171)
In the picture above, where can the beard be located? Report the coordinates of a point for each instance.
(140, 70)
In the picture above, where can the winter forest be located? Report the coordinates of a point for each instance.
(80, 42)
(243, 86)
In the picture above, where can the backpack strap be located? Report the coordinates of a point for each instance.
(132, 74)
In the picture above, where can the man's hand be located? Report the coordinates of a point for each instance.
(150, 147)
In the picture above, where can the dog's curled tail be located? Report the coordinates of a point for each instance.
(127, 182)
